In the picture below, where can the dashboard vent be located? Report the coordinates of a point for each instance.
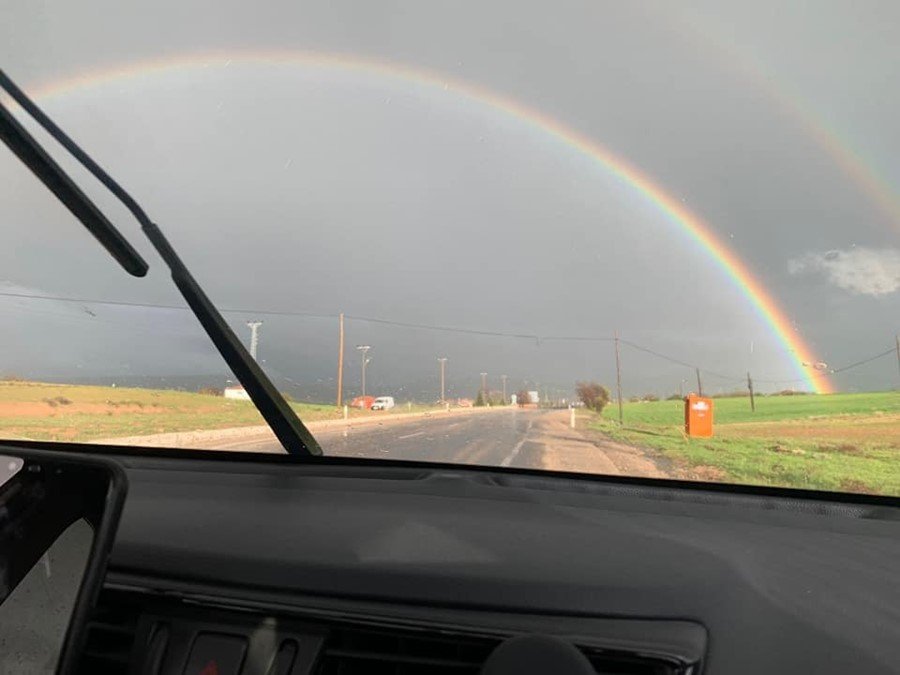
(110, 636)
(357, 650)
(349, 650)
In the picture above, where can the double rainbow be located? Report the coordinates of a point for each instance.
(692, 225)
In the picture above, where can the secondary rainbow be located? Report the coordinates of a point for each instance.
(763, 303)
(861, 172)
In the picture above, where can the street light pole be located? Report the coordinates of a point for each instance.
(443, 361)
(364, 352)
(254, 337)
(503, 379)
(484, 387)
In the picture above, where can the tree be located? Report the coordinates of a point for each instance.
(594, 395)
(479, 400)
(522, 397)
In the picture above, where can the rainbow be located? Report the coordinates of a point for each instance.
(854, 166)
(692, 225)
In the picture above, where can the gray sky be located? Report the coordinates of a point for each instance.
(325, 189)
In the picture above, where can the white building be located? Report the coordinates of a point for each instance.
(237, 392)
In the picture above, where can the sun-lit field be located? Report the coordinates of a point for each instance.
(845, 442)
(41, 411)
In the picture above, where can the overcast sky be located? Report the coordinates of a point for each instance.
(324, 189)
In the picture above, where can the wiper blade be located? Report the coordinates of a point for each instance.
(52, 175)
(291, 432)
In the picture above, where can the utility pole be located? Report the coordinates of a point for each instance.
(340, 377)
(750, 387)
(897, 338)
(618, 381)
(254, 337)
(503, 379)
(484, 387)
(364, 353)
(443, 361)
(699, 383)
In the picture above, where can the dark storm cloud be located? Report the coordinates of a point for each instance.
(292, 188)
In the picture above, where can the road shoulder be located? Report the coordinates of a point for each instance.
(584, 451)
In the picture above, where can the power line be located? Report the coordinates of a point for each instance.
(892, 350)
(445, 329)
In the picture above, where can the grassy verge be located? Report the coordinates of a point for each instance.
(843, 442)
(60, 412)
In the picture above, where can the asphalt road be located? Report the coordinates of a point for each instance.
(499, 439)
(534, 439)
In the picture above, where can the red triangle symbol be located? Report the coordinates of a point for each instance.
(211, 668)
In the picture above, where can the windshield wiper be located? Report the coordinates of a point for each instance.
(291, 432)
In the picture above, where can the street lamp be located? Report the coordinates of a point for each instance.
(364, 351)
(443, 362)
(254, 336)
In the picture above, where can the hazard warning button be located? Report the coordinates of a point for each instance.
(216, 654)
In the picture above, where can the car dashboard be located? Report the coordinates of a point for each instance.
(263, 565)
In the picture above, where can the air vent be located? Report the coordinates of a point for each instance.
(352, 650)
(349, 647)
(110, 636)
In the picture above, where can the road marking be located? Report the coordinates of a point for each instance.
(518, 447)
(418, 433)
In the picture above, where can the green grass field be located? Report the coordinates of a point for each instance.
(844, 442)
(42, 411)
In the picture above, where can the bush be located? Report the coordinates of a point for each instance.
(479, 400)
(211, 391)
(649, 398)
(522, 397)
(674, 397)
(594, 396)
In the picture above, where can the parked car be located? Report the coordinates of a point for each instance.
(364, 402)
(383, 403)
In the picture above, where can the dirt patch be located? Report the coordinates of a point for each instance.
(851, 485)
(567, 449)
(44, 409)
(844, 431)
(712, 474)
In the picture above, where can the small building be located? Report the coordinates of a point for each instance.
(237, 393)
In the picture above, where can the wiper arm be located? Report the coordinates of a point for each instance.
(291, 432)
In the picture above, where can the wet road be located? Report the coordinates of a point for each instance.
(502, 438)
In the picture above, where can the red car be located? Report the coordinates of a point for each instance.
(363, 402)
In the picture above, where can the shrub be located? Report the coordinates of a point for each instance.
(594, 395)
(211, 391)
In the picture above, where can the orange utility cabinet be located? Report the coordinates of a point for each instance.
(698, 416)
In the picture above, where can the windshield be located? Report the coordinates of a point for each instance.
(616, 238)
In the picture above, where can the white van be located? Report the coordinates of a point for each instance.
(383, 403)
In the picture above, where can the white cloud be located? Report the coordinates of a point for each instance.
(861, 270)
